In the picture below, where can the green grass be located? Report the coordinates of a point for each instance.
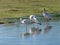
(21, 8)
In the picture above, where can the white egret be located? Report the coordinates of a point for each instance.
(26, 22)
(35, 19)
(47, 16)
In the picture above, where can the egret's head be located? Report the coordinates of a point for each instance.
(31, 17)
(21, 19)
(44, 9)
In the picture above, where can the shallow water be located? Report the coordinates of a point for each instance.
(10, 34)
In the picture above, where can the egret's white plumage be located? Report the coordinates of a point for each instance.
(35, 19)
(26, 22)
(46, 14)
(32, 18)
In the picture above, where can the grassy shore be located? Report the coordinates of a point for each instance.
(20, 8)
(12, 10)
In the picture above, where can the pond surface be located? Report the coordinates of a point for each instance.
(10, 34)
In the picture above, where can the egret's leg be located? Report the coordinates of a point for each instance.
(47, 21)
(26, 27)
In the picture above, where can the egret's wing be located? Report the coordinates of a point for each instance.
(38, 20)
(49, 15)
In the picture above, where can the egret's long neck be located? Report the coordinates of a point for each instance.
(21, 19)
(44, 10)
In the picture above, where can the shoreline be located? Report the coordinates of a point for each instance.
(13, 20)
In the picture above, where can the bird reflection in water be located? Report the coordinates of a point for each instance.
(34, 31)
(46, 29)
(23, 35)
